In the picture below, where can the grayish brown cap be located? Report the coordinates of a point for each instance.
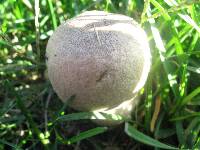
(102, 58)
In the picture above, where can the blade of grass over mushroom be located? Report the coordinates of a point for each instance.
(139, 136)
(61, 112)
(89, 115)
(83, 135)
(53, 15)
(10, 144)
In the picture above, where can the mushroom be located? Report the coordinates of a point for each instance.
(102, 58)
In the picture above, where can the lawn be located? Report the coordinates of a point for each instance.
(33, 117)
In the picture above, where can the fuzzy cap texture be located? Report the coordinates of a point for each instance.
(102, 58)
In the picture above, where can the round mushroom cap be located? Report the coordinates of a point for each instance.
(102, 58)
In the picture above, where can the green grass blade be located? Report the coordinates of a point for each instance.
(37, 28)
(27, 3)
(162, 51)
(180, 133)
(3, 42)
(190, 21)
(165, 133)
(53, 15)
(44, 20)
(139, 136)
(176, 40)
(197, 145)
(161, 9)
(193, 137)
(75, 116)
(183, 82)
(7, 107)
(29, 118)
(143, 16)
(10, 144)
(86, 134)
(190, 96)
(185, 116)
(59, 113)
(194, 41)
(194, 69)
(185, 17)
(148, 104)
(158, 125)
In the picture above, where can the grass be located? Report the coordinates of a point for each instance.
(33, 117)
